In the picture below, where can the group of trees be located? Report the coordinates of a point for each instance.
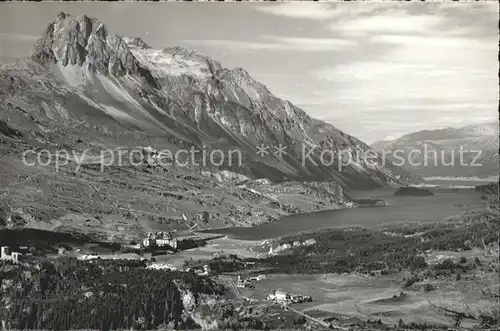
(342, 250)
(245, 315)
(70, 294)
(345, 250)
(218, 265)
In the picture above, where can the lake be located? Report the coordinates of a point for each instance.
(446, 202)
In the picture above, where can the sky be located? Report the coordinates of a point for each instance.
(374, 70)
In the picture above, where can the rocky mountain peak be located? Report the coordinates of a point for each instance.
(86, 42)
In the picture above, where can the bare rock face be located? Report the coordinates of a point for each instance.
(86, 42)
(251, 89)
(8, 131)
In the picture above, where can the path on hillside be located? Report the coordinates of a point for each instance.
(235, 289)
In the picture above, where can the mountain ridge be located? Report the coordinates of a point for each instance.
(486, 128)
(85, 88)
(260, 114)
(479, 139)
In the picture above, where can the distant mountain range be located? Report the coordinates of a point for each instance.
(436, 153)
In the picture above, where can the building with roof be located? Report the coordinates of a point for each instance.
(160, 239)
(285, 297)
(6, 256)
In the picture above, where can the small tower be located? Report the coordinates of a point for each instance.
(4, 253)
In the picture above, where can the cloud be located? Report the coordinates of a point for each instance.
(434, 41)
(393, 137)
(395, 18)
(16, 44)
(444, 107)
(18, 36)
(388, 81)
(390, 22)
(278, 44)
(302, 10)
(418, 83)
(415, 66)
(320, 11)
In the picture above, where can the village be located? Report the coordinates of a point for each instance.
(283, 297)
(249, 282)
(148, 247)
(276, 295)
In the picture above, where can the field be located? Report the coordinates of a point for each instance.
(365, 297)
(223, 246)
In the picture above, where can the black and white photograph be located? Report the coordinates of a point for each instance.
(291, 165)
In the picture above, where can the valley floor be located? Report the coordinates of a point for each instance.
(367, 297)
(219, 246)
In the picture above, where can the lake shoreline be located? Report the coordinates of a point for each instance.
(357, 203)
(397, 209)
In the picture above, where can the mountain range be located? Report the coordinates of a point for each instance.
(436, 153)
(85, 89)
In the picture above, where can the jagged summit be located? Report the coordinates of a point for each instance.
(86, 42)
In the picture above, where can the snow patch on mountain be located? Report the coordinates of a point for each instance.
(71, 74)
(117, 92)
(117, 113)
(162, 64)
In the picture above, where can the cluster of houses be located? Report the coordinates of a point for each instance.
(86, 257)
(249, 282)
(287, 246)
(161, 266)
(6, 256)
(287, 298)
(204, 271)
(160, 239)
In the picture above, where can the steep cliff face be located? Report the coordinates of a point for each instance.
(192, 97)
(86, 42)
